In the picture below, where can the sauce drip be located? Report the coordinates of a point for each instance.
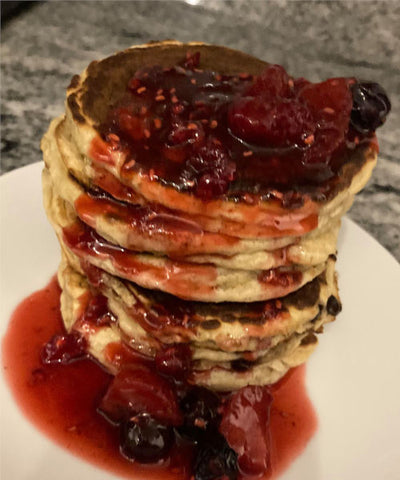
(68, 415)
(178, 278)
(173, 125)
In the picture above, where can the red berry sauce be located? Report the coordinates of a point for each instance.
(211, 134)
(44, 394)
(68, 415)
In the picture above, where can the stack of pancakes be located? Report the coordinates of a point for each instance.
(245, 285)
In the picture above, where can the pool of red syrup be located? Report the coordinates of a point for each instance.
(61, 399)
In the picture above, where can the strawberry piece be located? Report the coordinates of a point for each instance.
(137, 389)
(245, 425)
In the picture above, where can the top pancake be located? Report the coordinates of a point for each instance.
(103, 83)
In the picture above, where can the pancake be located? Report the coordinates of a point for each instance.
(230, 326)
(219, 335)
(197, 194)
(87, 108)
(143, 229)
(266, 371)
(245, 277)
(183, 279)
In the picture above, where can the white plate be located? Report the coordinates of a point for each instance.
(353, 378)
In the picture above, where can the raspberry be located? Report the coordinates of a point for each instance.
(210, 169)
(281, 112)
(272, 83)
(211, 185)
(330, 103)
(132, 125)
(182, 139)
(271, 123)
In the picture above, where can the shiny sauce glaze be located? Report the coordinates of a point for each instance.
(216, 135)
(178, 278)
(158, 221)
(68, 415)
(166, 316)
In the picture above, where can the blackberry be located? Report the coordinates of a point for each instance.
(144, 439)
(371, 106)
(215, 459)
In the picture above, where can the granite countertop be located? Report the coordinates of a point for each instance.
(43, 46)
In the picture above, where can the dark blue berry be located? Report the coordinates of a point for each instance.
(215, 459)
(371, 106)
(144, 439)
(200, 408)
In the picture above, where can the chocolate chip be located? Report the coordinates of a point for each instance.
(333, 306)
(241, 365)
(210, 324)
(306, 296)
(309, 339)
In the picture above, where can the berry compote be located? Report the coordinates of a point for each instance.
(216, 135)
(147, 421)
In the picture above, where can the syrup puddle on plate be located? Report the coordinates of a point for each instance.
(61, 400)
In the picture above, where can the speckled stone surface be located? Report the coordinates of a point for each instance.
(45, 45)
